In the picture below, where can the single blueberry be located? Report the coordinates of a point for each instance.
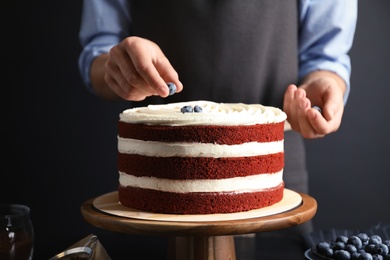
(342, 255)
(362, 250)
(351, 248)
(375, 239)
(339, 246)
(363, 237)
(198, 109)
(323, 248)
(365, 256)
(186, 109)
(172, 88)
(355, 240)
(377, 257)
(370, 248)
(328, 253)
(355, 256)
(317, 108)
(382, 249)
(342, 238)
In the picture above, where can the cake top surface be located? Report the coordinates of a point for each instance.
(212, 114)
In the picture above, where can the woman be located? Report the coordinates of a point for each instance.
(288, 54)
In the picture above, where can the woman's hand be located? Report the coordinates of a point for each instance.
(134, 69)
(323, 89)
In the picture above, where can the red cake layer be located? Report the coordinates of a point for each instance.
(199, 167)
(197, 203)
(203, 133)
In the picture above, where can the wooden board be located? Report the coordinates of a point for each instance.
(109, 203)
(286, 219)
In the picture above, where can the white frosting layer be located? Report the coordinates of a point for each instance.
(213, 114)
(161, 149)
(239, 184)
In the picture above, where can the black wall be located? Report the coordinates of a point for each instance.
(59, 141)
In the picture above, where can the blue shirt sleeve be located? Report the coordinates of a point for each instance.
(326, 31)
(104, 24)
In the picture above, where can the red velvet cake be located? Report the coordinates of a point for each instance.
(218, 158)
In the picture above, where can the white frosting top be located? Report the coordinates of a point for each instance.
(212, 114)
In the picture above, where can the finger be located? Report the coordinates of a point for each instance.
(128, 92)
(168, 73)
(333, 103)
(305, 127)
(114, 86)
(295, 108)
(148, 72)
(288, 97)
(121, 67)
(113, 76)
(287, 104)
(324, 126)
(318, 123)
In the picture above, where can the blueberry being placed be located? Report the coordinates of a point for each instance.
(172, 88)
(186, 109)
(317, 108)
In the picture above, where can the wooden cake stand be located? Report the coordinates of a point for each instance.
(200, 237)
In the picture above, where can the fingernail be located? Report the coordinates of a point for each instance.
(303, 103)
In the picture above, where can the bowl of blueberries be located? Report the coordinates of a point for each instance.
(355, 247)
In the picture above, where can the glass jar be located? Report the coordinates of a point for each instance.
(16, 232)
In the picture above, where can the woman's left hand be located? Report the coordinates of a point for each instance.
(322, 89)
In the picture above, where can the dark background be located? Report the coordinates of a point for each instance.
(59, 141)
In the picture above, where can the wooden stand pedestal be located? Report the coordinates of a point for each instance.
(212, 240)
(210, 247)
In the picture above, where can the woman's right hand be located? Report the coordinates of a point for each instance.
(136, 68)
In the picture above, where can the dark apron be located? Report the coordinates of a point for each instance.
(229, 51)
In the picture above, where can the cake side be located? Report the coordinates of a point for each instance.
(188, 168)
(199, 203)
(230, 153)
(203, 133)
